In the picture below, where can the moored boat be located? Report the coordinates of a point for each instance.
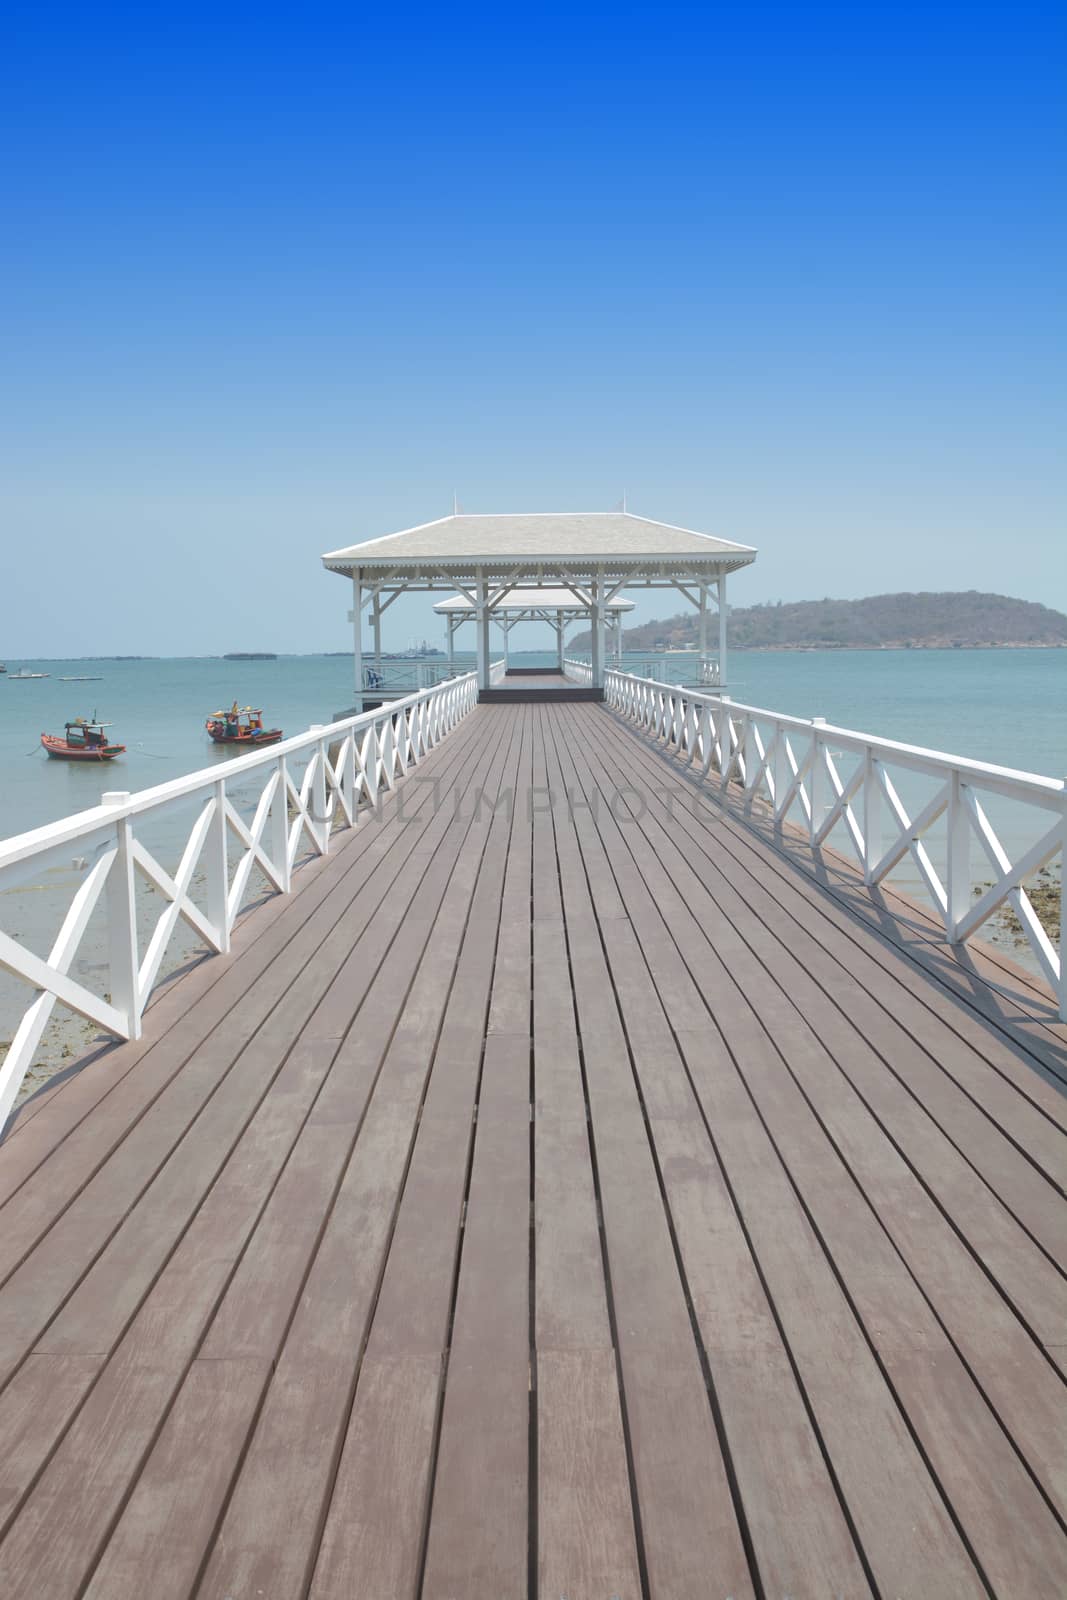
(241, 725)
(84, 740)
(22, 676)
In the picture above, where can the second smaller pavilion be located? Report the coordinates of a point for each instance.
(556, 607)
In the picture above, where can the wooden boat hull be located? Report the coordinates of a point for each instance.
(60, 750)
(250, 741)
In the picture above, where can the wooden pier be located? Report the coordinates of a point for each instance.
(565, 1191)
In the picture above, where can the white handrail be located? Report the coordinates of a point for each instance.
(579, 669)
(789, 762)
(372, 752)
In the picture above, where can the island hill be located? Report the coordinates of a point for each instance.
(967, 621)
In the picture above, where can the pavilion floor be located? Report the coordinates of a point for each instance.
(561, 1193)
(538, 688)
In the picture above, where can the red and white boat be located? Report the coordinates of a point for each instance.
(83, 741)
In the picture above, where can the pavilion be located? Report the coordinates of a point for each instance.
(593, 555)
(557, 607)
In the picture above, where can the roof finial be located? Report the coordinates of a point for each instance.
(455, 503)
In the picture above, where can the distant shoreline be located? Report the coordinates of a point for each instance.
(879, 649)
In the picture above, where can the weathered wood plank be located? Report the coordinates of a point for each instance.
(478, 1536)
(156, 1548)
(691, 1536)
(408, 1340)
(586, 1545)
(586, 1540)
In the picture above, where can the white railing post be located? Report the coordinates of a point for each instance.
(872, 815)
(384, 736)
(817, 784)
(725, 738)
(318, 792)
(347, 774)
(958, 886)
(782, 772)
(704, 740)
(217, 868)
(123, 956)
(279, 826)
(752, 762)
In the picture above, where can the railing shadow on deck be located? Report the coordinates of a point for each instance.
(788, 779)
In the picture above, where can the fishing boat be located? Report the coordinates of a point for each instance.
(90, 677)
(22, 675)
(83, 740)
(241, 725)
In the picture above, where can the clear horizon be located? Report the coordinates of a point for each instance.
(789, 275)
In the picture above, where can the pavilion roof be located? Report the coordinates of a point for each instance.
(542, 544)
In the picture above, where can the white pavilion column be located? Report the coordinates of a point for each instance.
(597, 596)
(450, 625)
(505, 623)
(377, 620)
(702, 636)
(481, 622)
(559, 639)
(723, 679)
(618, 639)
(357, 637)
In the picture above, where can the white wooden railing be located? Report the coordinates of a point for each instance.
(799, 769)
(581, 671)
(706, 672)
(293, 819)
(402, 677)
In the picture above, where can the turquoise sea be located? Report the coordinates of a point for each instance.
(1004, 706)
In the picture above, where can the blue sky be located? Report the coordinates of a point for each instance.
(276, 280)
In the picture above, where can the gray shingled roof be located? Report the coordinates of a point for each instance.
(540, 536)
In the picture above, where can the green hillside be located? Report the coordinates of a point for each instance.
(899, 621)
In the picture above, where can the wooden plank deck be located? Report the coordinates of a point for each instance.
(563, 1193)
